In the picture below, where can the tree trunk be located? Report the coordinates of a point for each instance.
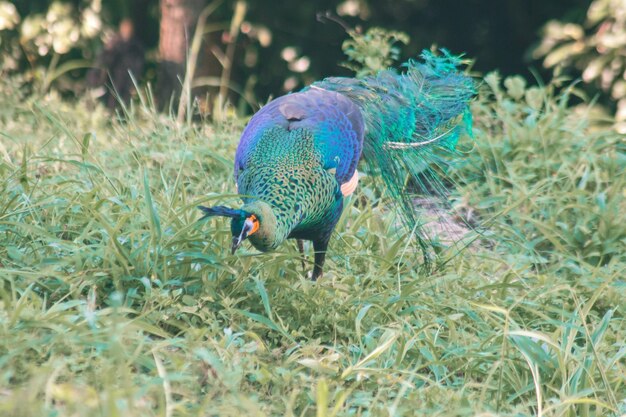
(178, 21)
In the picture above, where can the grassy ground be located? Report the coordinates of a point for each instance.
(114, 300)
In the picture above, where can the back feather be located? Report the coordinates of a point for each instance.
(413, 122)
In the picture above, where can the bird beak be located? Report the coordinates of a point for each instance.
(236, 243)
(242, 236)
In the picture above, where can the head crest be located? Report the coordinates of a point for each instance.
(222, 211)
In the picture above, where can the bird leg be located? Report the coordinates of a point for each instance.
(319, 246)
(301, 250)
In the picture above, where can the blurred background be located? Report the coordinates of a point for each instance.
(247, 51)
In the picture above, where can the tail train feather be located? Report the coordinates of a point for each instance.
(413, 123)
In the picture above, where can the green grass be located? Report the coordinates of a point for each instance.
(114, 300)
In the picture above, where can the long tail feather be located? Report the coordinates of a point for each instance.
(413, 123)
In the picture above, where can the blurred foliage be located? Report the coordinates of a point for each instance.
(35, 43)
(596, 48)
(290, 44)
(60, 29)
(373, 51)
(9, 18)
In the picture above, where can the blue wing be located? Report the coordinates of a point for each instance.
(336, 123)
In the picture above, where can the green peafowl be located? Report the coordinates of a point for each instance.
(297, 157)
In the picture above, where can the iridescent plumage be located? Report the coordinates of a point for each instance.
(299, 150)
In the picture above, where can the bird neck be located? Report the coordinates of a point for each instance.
(273, 229)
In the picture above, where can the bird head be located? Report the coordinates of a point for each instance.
(242, 225)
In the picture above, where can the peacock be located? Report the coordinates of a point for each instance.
(297, 158)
